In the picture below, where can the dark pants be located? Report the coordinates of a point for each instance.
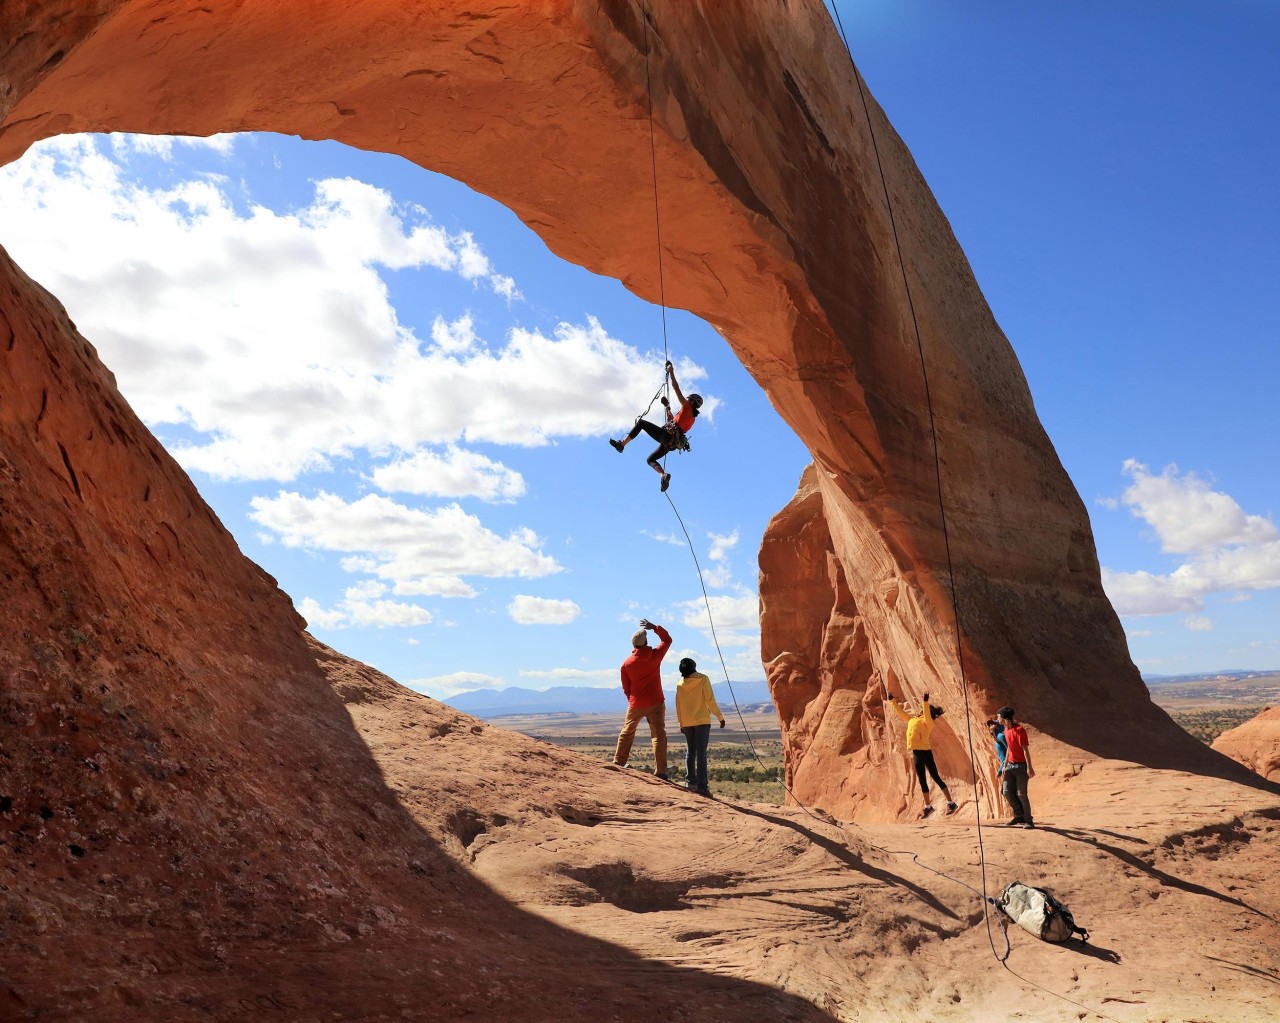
(1015, 791)
(697, 738)
(924, 762)
(658, 433)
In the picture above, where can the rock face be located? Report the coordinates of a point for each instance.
(1256, 744)
(207, 817)
(776, 230)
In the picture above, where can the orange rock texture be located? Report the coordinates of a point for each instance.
(207, 816)
(1256, 744)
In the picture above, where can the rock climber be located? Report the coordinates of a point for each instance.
(1017, 769)
(671, 436)
(695, 703)
(919, 741)
(642, 685)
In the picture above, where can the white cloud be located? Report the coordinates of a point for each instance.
(1198, 624)
(453, 472)
(600, 676)
(1143, 593)
(1187, 515)
(1139, 633)
(737, 619)
(721, 545)
(271, 335)
(417, 552)
(526, 610)
(1228, 549)
(444, 686)
(671, 538)
(719, 574)
(360, 607)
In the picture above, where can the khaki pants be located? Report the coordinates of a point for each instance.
(657, 718)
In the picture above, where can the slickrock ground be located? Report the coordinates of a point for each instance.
(1173, 875)
(1256, 743)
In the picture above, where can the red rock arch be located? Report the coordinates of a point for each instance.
(776, 231)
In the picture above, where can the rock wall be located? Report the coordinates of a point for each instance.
(1256, 744)
(776, 230)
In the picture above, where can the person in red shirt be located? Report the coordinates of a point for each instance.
(642, 686)
(1017, 768)
(670, 437)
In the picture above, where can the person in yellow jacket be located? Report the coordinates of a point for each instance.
(695, 703)
(919, 741)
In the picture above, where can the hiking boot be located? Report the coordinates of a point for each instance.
(703, 792)
(662, 775)
(927, 810)
(1029, 824)
(616, 445)
(1015, 823)
(952, 808)
(666, 481)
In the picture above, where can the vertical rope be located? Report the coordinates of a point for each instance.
(937, 466)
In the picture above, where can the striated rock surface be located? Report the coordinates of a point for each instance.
(1256, 744)
(206, 816)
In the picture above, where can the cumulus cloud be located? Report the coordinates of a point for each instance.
(417, 552)
(1187, 515)
(271, 335)
(454, 472)
(737, 619)
(526, 610)
(1227, 550)
(719, 574)
(1198, 624)
(361, 606)
(444, 686)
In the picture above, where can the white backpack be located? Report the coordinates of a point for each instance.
(1037, 911)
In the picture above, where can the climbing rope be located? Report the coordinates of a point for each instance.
(657, 217)
(942, 512)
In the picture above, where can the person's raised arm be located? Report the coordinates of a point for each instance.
(671, 372)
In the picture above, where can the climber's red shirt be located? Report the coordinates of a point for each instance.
(1015, 737)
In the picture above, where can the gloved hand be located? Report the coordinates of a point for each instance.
(722, 722)
(670, 368)
(666, 403)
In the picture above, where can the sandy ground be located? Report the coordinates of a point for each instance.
(1171, 873)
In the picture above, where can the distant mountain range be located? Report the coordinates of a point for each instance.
(496, 703)
(1209, 676)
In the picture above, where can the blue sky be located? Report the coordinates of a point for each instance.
(398, 400)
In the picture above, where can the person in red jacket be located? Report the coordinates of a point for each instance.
(1017, 768)
(670, 437)
(642, 686)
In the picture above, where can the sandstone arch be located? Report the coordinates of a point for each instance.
(776, 232)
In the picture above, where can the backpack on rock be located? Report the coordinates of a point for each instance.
(1037, 911)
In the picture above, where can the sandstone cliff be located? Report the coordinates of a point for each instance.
(1256, 744)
